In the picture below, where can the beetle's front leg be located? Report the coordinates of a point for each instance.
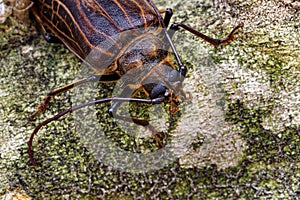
(127, 91)
(131, 90)
(157, 135)
(227, 39)
(168, 15)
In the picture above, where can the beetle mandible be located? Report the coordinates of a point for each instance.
(96, 32)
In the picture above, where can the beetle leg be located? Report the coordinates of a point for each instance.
(51, 38)
(127, 91)
(168, 15)
(157, 136)
(48, 36)
(174, 27)
(44, 103)
(131, 90)
(229, 38)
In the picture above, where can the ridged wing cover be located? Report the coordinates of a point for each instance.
(86, 26)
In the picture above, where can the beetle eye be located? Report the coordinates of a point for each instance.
(173, 76)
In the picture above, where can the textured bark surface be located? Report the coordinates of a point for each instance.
(246, 140)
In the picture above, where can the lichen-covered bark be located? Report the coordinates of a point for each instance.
(244, 133)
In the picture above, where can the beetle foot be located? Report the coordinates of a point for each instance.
(159, 138)
(41, 108)
(231, 36)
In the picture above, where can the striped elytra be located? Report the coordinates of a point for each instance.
(97, 25)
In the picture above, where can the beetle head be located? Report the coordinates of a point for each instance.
(166, 82)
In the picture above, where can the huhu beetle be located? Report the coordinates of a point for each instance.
(97, 32)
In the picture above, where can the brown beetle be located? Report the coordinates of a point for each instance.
(114, 38)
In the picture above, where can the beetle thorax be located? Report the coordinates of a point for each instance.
(142, 54)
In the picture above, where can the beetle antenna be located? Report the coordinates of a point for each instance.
(72, 109)
(181, 67)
